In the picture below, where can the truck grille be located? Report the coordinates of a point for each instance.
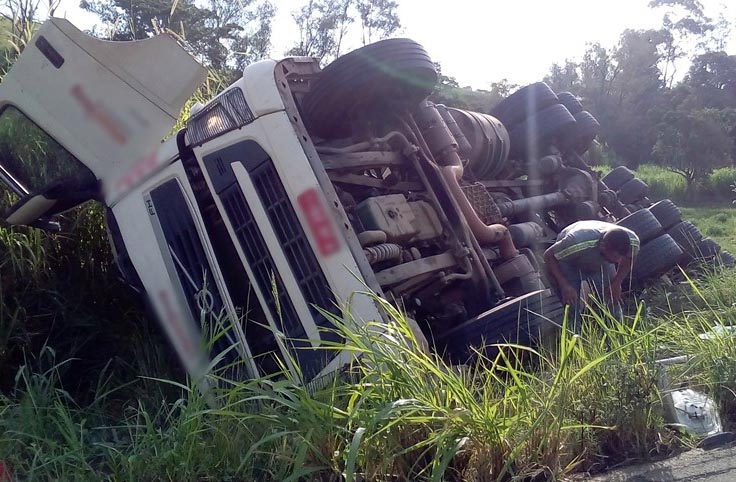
(187, 255)
(299, 253)
(301, 258)
(267, 277)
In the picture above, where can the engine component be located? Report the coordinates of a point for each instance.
(444, 149)
(489, 141)
(431, 264)
(370, 238)
(390, 214)
(586, 210)
(577, 185)
(483, 203)
(426, 221)
(526, 234)
(382, 252)
(437, 134)
(401, 221)
(549, 165)
(513, 268)
(607, 198)
(463, 144)
(519, 274)
(534, 203)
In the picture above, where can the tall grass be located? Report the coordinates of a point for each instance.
(585, 402)
(663, 183)
(105, 404)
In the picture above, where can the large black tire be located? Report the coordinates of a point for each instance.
(706, 248)
(524, 103)
(523, 320)
(539, 131)
(570, 101)
(726, 259)
(633, 191)
(644, 224)
(391, 75)
(687, 235)
(582, 137)
(617, 177)
(666, 212)
(656, 258)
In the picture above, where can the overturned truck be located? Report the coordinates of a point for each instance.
(298, 186)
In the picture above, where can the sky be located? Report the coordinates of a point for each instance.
(479, 42)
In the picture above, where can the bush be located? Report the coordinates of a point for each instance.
(719, 185)
(663, 184)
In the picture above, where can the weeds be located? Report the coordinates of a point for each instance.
(587, 401)
(105, 404)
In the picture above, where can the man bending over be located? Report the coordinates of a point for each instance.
(599, 252)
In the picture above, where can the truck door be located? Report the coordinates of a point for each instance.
(98, 108)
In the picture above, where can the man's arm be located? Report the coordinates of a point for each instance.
(624, 268)
(567, 292)
(622, 271)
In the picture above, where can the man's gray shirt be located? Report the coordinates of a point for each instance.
(578, 244)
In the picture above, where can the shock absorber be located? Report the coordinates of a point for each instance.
(382, 252)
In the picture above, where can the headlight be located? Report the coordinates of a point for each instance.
(227, 112)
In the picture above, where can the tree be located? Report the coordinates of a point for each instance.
(322, 26)
(378, 19)
(684, 28)
(325, 24)
(212, 31)
(565, 77)
(693, 143)
(449, 93)
(711, 81)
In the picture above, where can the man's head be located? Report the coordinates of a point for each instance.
(615, 245)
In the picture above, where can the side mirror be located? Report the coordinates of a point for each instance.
(38, 208)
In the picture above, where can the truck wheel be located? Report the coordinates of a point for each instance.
(569, 100)
(540, 130)
(666, 212)
(522, 320)
(706, 248)
(617, 177)
(524, 103)
(643, 223)
(687, 235)
(656, 258)
(726, 259)
(586, 128)
(393, 75)
(632, 191)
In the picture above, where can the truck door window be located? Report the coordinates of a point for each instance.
(30, 158)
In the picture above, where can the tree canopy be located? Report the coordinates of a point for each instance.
(220, 33)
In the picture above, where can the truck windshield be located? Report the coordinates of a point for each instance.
(30, 159)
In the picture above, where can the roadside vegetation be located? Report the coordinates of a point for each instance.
(92, 392)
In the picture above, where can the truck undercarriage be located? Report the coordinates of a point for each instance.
(298, 186)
